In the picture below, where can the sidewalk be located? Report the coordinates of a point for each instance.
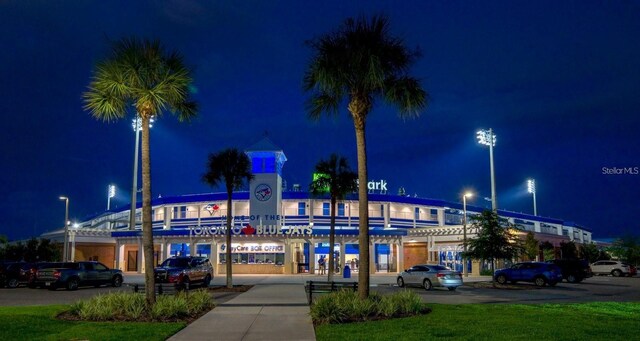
(274, 309)
(266, 312)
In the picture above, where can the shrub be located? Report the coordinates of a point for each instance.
(346, 306)
(133, 307)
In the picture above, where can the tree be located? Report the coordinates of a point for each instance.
(626, 248)
(336, 177)
(548, 251)
(496, 238)
(358, 63)
(531, 246)
(140, 73)
(589, 252)
(568, 250)
(232, 168)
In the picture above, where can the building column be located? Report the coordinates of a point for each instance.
(400, 256)
(387, 215)
(343, 257)
(168, 212)
(140, 259)
(167, 248)
(536, 226)
(73, 246)
(372, 258)
(214, 256)
(441, 217)
(116, 254)
(312, 256)
(121, 257)
(288, 261)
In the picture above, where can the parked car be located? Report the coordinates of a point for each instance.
(613, 267)
(573, 270)
(539, 273)
(14, 274)
(184, 272)
(74, 275)
(429, 276)
(35, 267)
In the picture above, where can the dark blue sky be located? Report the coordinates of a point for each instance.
(557, 81)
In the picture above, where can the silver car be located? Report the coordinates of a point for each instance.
(429, 276)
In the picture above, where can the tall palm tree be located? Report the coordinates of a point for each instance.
(232, 168)
(336, 177)
(358, 63)
(142, 74)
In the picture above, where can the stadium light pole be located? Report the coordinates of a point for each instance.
(488, 138)
(137, 127)
(111, 192)
(65, 250)
(465, 271)
(531, 188)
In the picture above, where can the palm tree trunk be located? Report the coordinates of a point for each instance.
(363, 208)
(229, 264)
(147, 232)
(332, 238)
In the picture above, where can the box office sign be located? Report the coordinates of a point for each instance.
(252, 248)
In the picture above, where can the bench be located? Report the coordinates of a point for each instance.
(317, 287)
(161, 288)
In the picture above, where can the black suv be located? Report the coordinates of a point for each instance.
(185, 271)
(573, 270)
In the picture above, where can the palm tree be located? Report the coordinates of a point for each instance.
(359, 62)
(336, 177)
(231, 167)
(140, 73)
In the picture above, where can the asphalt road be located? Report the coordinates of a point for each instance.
(594, 289)
(600, 288)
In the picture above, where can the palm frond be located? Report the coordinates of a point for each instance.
(407, 94)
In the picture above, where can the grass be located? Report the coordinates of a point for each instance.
(587, 321)
(39, 323)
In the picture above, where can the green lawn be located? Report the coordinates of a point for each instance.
(39, 323)
(589, 321)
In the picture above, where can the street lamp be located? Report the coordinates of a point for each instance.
(65, 250)
(531, 188)
(464, 229)
(111, 192)
(488, 138)
(136, 124)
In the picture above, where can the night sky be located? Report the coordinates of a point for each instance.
(558, 82)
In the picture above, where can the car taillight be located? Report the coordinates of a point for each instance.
(57, 274)
(440, 275)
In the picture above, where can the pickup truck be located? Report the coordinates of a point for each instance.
(74, 275)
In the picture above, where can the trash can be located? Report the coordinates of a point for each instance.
(347, 272)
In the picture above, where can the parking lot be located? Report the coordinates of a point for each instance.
(598, 288)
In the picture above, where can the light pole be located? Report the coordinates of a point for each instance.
(488, 138)
(531, 188)
(111, 192)
(65, 250)
(464, 229)
(137, 127)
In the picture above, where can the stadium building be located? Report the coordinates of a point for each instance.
(278, 231)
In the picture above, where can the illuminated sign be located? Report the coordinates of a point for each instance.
(259, 230)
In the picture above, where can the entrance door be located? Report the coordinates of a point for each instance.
(132, 261)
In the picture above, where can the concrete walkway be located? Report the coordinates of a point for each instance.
(266, 312)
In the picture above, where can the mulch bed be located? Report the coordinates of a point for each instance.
(68, 316)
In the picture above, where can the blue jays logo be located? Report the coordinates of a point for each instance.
(263, 192)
